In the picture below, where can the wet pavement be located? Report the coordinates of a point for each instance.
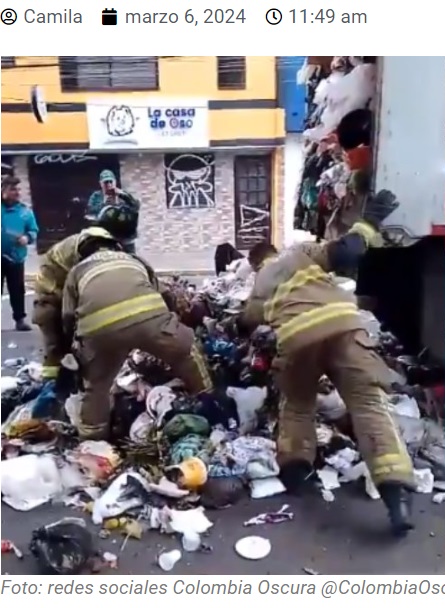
(348, 536)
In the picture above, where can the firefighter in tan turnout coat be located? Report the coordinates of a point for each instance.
(111, 306)
(47, 313)
(319, 331)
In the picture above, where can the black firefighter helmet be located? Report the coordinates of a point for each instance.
(118, 220)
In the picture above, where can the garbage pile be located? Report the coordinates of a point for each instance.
(336, 173)
(172, 456)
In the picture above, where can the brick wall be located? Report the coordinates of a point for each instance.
(179, 239)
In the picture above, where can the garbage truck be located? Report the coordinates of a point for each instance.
(407, 279)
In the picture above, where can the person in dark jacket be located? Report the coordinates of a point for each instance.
(19, 229)
(225, 254)
(110, 196)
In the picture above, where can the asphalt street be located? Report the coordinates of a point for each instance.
(348, 536)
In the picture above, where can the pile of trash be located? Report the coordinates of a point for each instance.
(338, 155)
(172, 456)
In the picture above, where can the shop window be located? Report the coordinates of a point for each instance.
(8, 62)
(104, 73)
(231, 73)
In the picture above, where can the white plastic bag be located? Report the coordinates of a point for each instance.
(73, 407)
(159, 402)
(30, 481)
(113, 503)
(140, 428)
(262, 488)
(248, 402)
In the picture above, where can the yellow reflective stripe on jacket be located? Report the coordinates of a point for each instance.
(300, 278)
(365, 230)
(313, 318)
(102, 267)
(50, 372)
(122, 310)
(197, 357)
(59, 259)
(48, 285)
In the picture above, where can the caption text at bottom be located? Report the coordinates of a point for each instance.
(326, 589)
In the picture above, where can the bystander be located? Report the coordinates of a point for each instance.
(19, 229)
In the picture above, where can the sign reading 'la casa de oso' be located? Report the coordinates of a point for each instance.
(173, 119)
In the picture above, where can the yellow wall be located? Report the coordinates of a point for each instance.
(178, 77)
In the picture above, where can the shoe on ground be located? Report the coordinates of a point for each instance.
(296, 475)
(398, 501)
(22, 325)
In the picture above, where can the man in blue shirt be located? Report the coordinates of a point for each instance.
(110, 196)
(19, 229)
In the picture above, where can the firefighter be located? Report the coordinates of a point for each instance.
(47, 313)
(319, 331)
(111, 307)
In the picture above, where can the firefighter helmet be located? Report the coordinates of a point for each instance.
(118, 220)
(93, 238)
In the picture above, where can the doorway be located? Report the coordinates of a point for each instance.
(253, 199)
(61, 185)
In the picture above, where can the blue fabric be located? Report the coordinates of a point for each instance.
(43, 406)
(17, 220)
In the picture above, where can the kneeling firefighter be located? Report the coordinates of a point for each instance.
(47, 313)
(319, 331)
(111, 307)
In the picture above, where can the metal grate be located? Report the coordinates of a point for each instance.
(103, 73)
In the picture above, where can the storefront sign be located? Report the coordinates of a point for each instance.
(169, 124)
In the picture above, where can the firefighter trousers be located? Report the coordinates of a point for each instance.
(360, 376)
(47, 315)
(101, 356)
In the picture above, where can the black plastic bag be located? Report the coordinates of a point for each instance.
(64, 547)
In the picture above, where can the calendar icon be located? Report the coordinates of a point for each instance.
(109, 16)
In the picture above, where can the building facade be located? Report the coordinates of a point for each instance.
(199, 140)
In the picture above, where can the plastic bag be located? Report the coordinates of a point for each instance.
(128, 491)
(140, 428)
(30, 481)
(73, 406)
(248, 403)
(63, 547)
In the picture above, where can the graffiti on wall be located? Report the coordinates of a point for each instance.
(254, 225)
(190, 181)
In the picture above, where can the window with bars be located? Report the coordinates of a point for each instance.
(8, 62)
(103, 73)
(231, 73)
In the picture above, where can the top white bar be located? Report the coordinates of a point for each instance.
(258, 27)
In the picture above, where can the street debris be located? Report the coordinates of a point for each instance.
(276, 517)
(170, 456)
(9, 547)
(64, 547)
(439, 498)
(310, 571)
(253, 547)
(167, 561)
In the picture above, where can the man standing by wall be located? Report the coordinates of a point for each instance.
(110, 196)
(19, 229)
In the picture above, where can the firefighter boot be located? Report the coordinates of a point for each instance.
(296, 474)
(398, 501)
